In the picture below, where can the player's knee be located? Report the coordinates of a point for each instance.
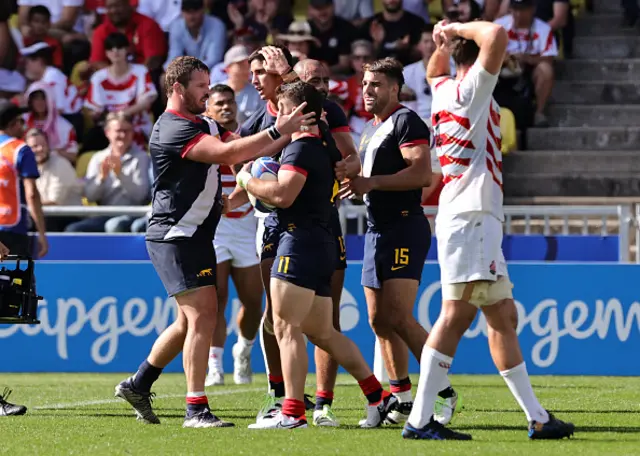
(203, 321)
(456, 320)
(282, 329)
(380, 323)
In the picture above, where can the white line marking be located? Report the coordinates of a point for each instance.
(64, 405)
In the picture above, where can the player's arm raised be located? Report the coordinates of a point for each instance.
(491, 38)
(209, 149)
(439, 64)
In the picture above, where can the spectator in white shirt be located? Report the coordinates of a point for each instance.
(124, 87)
(38, 68)
(57, 184)
(164, 12)
(415, 75)
(43, 115)
(530, 52)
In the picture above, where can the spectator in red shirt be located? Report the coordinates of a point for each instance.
(39, 18)
(148, 41)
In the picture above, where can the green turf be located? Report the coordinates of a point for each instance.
(76, 414)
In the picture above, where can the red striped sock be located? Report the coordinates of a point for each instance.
(371, 388)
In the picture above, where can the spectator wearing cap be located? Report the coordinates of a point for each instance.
(39, 22)
(122, 86)
(299, 40)
(354, 11)
(164, 12)
(65, 15)
(43, 115)
(39, 68)
(415, 75)
(334, 34)
(248, 101)
(530, 53)
(57, 184)
(394, 32)
(147, 40)
(197, 34)
(19, 196)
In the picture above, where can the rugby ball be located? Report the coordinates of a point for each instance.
(265, 168)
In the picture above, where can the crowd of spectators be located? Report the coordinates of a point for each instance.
(91, 72)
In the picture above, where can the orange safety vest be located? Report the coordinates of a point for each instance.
(10, 204)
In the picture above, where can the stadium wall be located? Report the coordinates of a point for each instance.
(575, 319)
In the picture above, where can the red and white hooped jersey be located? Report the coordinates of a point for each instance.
(107, 92)
(67, 99)
(228, 185)
(536, 40)
(466, 127)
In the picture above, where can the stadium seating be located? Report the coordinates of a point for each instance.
(508, 131)
(83, 163)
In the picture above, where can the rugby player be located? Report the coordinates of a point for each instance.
(474, 275)
(186, 207)
(306, 260)
(267, 82)
(236, 255)
(396, 165)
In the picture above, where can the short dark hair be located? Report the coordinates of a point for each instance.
(256, 55)
(180, 70)
(192, 5)
(117, 116)
(116, 40)
(464, 52)
(222, 88)
(299, 92)
(39, 10)
(388, 66)
(427, 28)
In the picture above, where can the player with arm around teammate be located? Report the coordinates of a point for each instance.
(394, 150)
(185, 210)
(305, 262)
(474, 275)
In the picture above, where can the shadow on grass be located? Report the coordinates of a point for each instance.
(555, 411)
(502, 427)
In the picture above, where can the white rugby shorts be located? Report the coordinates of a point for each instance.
(234, 241)
(259, 236)
(470, 247)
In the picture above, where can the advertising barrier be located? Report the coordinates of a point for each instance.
(574, 319)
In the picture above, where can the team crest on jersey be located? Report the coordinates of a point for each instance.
(492, 268)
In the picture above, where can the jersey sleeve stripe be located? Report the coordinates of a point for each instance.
(225, 136)
(295, 169)
(417, 142)
(196, 139)
(341, 130)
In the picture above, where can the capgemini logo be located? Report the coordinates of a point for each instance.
(349, 313)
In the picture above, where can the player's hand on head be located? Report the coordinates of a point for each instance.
(290, 123)
(275, 61)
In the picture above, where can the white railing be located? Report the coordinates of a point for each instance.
(545, 219)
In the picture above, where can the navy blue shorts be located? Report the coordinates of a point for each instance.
(306, 258)
(184, 264)
(397, 251)
(271, 238)
(341, 248)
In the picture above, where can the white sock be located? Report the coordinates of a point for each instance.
(434, 367)
(215, 359)
(517, 379)
(196, 394)
(246, 344)
(445, 384)
(404, 396)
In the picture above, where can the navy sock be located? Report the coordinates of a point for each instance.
(323, 398)
(276, 383)
(146, 376)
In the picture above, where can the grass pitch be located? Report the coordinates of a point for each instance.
(77, 414)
